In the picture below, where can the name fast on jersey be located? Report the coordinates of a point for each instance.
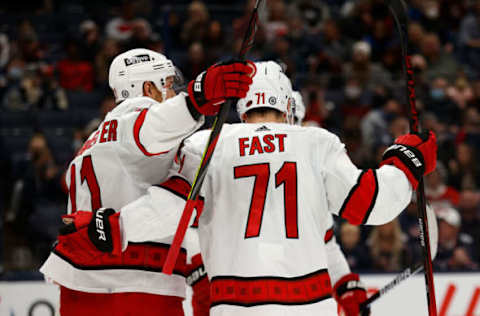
(258, 145)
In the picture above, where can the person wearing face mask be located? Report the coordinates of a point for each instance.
(440, 104)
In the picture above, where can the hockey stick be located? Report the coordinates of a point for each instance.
(207, 154)
(400, 15)
(413, 269)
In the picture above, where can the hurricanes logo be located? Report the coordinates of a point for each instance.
(272, 100)
(125, 93)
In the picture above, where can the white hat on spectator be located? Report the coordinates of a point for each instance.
(449, 215)
(362, 47)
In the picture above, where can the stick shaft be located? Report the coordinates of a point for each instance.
(406, 274)
(399, 11)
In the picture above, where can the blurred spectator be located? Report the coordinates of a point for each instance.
(437, 192)
(196, 62)
(4, 51)
(215, 40)
(370, 75)
(104, 58)
(196, 26)
(375, 125)
(141, 35)
(33, 87)
(415, 36)
(469, 37)
(277, 25)
(335, 45)
(439, 103)
(37, 198)
(121, 28)
(463, 170)
(354, 249)
(455, 249)
(90, 44)
(461, 92)
(440, 62)
(28, 45)
(387, 247)
(74, 73)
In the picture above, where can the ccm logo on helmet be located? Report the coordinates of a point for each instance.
(99, 225)
(136, 59)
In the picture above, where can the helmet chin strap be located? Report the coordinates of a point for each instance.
(164, 93)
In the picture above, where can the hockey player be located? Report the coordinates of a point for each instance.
(132, 149)
(348, 291)
(267, 196)
(261, 249)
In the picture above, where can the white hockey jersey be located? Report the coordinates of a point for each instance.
(268, 193)
(132, 149)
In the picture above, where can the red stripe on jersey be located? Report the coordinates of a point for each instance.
(251, 291)
(136, 134)
(360, 200)
(177, 186)
(148, 256)
(328, 235)
(73, 189)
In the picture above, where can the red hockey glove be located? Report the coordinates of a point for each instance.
(89, 233)
(414, 154)
(219, 82)
(349, 293)
(197, 279)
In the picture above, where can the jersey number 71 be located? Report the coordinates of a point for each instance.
(287, 175)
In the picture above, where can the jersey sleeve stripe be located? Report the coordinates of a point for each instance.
(361, 199)
(176, 185)
(136, 134)
(328, 235)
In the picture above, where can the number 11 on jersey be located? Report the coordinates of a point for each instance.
(86, 173)
(287, 175)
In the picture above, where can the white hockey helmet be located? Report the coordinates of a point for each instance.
(131, 69)
(270, 88)
(298, 107)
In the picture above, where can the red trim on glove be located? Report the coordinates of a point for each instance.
(361, 199)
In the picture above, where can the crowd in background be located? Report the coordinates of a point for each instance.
(344, 56)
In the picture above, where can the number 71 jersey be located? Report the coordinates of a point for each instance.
(267, 194)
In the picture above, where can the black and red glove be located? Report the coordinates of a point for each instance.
(414, 154)
(349, 293)
(218, 83)
(90, 234)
